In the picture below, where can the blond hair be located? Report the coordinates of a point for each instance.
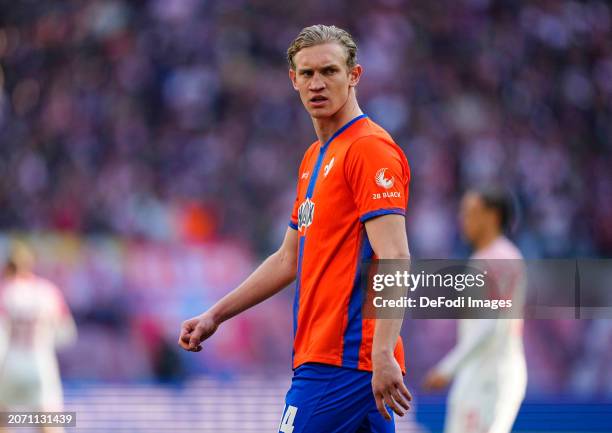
(321, 34)
(20, 258)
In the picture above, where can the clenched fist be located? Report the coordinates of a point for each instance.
(194, 331)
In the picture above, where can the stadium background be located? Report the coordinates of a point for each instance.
(149, 152)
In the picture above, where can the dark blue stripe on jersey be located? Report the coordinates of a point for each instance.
(296, 299)
(293, 225)
(315, 173)
(352, 334)
(341, 130)
(390, 210)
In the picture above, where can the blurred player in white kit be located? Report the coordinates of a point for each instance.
(487, 365)
(34, 321)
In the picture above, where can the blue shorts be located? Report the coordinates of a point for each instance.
(328, 399)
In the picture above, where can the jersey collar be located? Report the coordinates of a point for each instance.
(342, 129)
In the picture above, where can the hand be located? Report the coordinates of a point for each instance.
(194, 331)
(388, 386)
(435, 380)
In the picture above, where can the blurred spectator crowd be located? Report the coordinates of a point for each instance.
(174, 120)
(169, 119)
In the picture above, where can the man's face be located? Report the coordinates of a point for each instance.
(474, 216)
(322, 78)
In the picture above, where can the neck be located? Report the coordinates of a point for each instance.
(326, 126)
(487, 238)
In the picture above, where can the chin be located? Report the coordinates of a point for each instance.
(322, 113)
(319, 114)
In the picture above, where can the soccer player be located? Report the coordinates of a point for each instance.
(352, 193)
(34, 321)
(487, 365)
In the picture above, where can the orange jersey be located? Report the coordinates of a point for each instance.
(358, 174)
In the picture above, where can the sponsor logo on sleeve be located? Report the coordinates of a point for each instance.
(382, 181)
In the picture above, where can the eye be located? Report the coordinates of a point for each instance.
(306, 73)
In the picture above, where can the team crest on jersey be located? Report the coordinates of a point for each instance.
(328, 167)
(305, 214)
(382, 181)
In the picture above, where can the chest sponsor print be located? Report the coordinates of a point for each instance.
(305, 214)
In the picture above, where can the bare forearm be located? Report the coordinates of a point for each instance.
(387, 331)
(275, 273)
(467, 346)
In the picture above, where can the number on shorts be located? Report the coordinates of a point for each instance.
(286, 425)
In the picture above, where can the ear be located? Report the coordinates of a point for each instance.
(355, 75)
(292, 77)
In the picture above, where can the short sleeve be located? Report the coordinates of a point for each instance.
(293, 220)
(62, 321)
(378, 174)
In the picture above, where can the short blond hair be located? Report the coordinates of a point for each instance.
(321, 34)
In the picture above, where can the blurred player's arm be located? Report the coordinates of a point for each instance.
(445, 370)
(64, 326)
(387, 235)
(274, 274)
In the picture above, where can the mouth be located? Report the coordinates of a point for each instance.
(318, 100)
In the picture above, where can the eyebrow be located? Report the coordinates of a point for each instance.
(322, 68)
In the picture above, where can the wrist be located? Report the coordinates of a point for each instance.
(215, 316)
(381, 355)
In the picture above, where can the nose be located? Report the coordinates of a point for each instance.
(317, 82)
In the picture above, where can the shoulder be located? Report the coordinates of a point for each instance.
(371, 146)
(509, 249)
(311, 149)
(502, 248)
(308, 154)
(371, 138)
(47, 289)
